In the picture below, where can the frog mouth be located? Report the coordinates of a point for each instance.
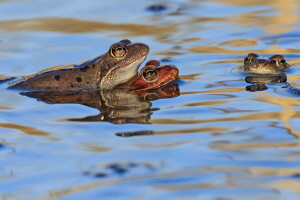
(131, 69)
(123, 74)
(136, 64)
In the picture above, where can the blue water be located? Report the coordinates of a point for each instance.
(214, 141)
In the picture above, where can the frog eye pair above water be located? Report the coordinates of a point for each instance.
(254, 64)
(252, 58)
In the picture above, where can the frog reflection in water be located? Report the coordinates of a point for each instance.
(264, 70)
(106, 71)
(122, 104)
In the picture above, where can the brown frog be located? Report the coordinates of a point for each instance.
(106, 71)
(153, 75)
(274, 64)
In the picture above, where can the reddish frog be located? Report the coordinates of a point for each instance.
(153, 75)
(106, 71)
(274, 64)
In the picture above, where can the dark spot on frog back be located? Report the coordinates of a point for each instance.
(78, 79)
(57, 77)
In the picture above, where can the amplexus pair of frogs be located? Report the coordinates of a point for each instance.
(117, 67)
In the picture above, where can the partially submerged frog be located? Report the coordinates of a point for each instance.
(153, 75)
(106, 71)
(274, 64)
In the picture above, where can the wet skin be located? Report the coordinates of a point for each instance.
(153, 75)
(106, 71)
(274, 64)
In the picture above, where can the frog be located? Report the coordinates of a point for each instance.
(117, 66)
(274, 64)
(153, 75)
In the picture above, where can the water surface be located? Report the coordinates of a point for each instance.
(215, 140)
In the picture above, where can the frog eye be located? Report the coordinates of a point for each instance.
(118, 50)
(150, 74)
(247, 60)
(282, 61)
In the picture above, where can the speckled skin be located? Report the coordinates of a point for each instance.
(274, 64)
(106, 71)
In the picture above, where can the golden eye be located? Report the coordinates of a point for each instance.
(282, 61)
(118, 50)
(150, 74)
(246, 59)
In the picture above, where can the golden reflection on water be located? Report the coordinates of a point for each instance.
(283, 22)
(240, 43)
(212, 49)
(189, 77)
(5, 108)
(24, 129)
(286, 19)
(246, 2)
(94, 147)
(255, 146)
(192, 130)
(287, 104)
(232, 177)
(285, 115)
(68, 25)
(266, 115)
(286, 184)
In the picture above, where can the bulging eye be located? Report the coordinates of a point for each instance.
(282, 61)
(118, 50)
(150, 74)
(153, 62)
(246, 59)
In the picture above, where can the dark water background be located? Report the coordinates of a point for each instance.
(214, 141)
